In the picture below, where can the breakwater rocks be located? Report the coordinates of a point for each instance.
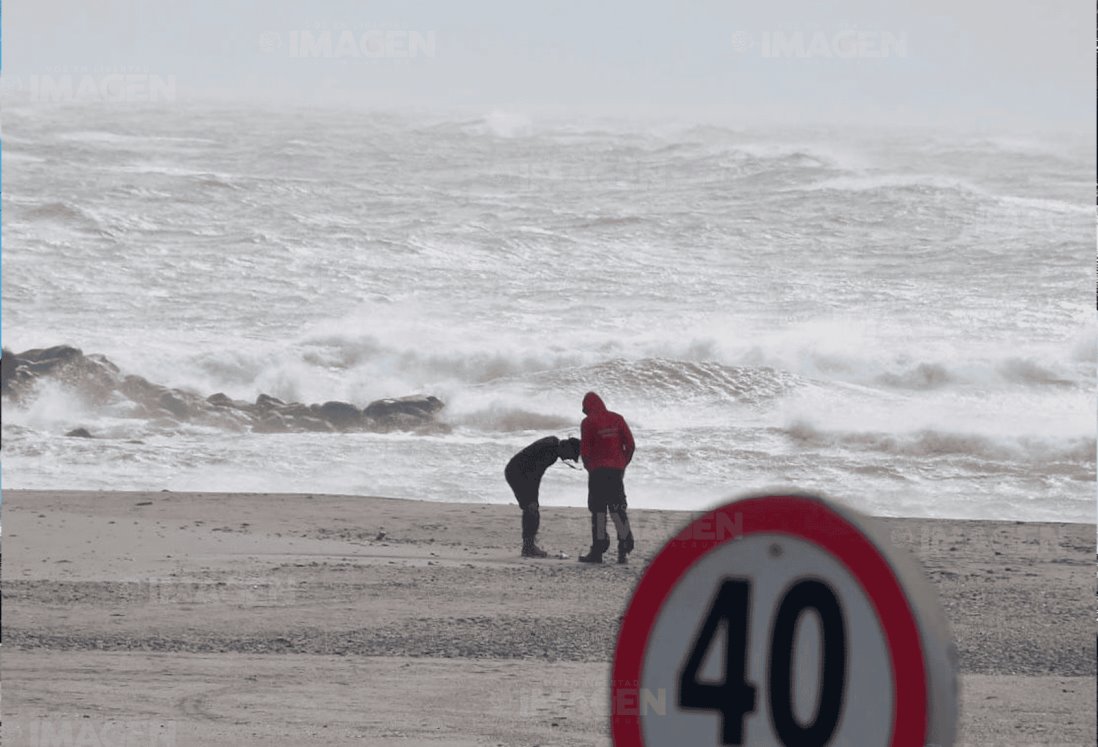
(99, 382)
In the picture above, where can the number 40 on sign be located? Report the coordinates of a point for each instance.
(801, 627)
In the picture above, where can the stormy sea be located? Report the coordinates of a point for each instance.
(900, 319)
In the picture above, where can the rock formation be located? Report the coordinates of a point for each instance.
(100, 382)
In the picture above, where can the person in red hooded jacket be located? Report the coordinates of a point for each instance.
(606, 448)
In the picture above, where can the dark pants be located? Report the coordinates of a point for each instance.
(525, 489)
(606, 496)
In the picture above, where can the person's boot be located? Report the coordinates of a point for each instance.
(599, 542)
(625, 532)
(530, 549)
(594, 555)
(625, 547)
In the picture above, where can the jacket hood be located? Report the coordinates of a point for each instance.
(592, 403)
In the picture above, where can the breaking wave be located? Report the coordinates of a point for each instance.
(675, 380)
(714, 284)
(1012, 370)
(61, 212)
(501, 419)
(922, 376)
(1078, 451)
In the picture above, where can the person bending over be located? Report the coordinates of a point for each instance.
(523, 474)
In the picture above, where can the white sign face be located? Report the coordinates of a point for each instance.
(777, 621)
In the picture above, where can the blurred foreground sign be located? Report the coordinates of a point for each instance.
(783, 620)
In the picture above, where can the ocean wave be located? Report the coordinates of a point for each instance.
(614, 221)
(13, 156)
(1025, 371)
(922, 376)
(63, 212)
(504, 124)
(928, 443)
(203, 178)
(785, 157)
(1011, 370)
(808, 152)
(101, 137)
(882, 182)
(502, 419)
(95, 137)
(930, 184)
(1047, 205)
(675, 380)
(1025, 145)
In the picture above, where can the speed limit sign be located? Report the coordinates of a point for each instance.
(783, 620)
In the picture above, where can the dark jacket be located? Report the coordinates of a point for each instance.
(605, 439)
(531, 462)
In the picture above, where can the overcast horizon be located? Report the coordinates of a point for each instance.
(983, 66)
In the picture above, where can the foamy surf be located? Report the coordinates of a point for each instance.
(873, 317)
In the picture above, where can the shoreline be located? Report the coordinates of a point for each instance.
(192, 612)
(551, 506)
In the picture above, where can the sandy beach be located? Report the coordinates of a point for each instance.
(264, 619)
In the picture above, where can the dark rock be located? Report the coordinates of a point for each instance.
(79, 433)
(8, 364)
(105, 362)
(94, 377)
(306, 423)
(415, 406)
(271, 422)
(140, 390)
(180, 404)
(342, 415)
(100, 381)
(16, 376)
(174, 404)
(266, 401)
(56, 355)
(238, 409)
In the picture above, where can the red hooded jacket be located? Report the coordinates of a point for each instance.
(605, 439)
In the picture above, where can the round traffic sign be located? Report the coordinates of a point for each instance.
(783, 620)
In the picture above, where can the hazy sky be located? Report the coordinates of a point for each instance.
(1003, 65)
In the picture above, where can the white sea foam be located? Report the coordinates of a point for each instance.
(879, 315)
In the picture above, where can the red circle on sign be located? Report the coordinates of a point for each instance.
(807, 519)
